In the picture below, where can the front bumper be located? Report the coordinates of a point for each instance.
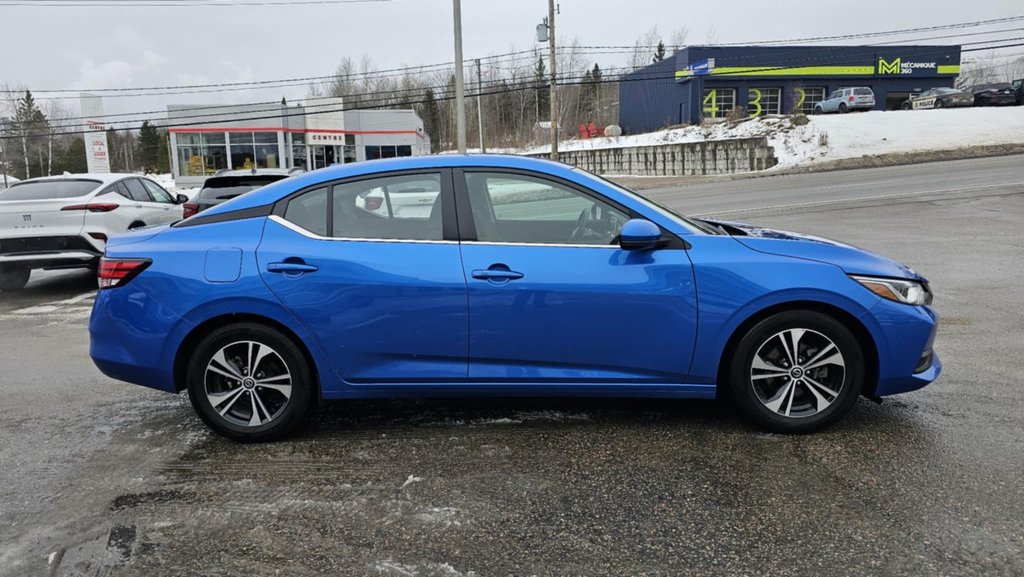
(904, 335)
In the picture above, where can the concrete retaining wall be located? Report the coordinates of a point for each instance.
(688, 159)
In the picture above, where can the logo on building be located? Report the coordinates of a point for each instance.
(900, 67)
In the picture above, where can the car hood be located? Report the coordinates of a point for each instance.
(136, 235)
(793, 244)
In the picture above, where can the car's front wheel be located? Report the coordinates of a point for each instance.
(843, 109)
(797, 371)
(250, 383)
(13, 278)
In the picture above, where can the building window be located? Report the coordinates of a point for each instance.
(804, 98)
(350, 154)
(254, 150)
(718, 102)
(299, 159)
(201, 153)
(375, 152)
(350, 139)
(761, 101)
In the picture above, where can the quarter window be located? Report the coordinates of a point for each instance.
(309, 211)
(524, 209)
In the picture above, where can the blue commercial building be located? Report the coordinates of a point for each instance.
(708, 81)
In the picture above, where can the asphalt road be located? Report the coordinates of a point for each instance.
(102, 478)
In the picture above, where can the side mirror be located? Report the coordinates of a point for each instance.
(639, 234)
(181, 198)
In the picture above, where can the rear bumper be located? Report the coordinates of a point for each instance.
(55, 259)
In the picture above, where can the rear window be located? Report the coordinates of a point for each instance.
(228, 187)
(863, 91)
(49, 189)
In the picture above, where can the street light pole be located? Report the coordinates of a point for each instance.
(553, 98)
(479, 108)
(460, 90)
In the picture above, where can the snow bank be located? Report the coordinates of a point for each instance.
(839, 136)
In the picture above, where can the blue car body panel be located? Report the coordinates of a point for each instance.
(397, 318)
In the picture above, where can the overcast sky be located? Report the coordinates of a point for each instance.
(51, 48)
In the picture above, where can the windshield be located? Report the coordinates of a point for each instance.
(228, 187)
(49, 189)
(694, 226)
(946, 91)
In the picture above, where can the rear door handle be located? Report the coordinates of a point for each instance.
(291, 267)
(492, 274)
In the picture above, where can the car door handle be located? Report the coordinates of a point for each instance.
(291, 267)
(497, 274)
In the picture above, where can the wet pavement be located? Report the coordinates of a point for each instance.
(102, 478)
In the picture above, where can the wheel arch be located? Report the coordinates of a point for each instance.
(193, 338)
(859, 330)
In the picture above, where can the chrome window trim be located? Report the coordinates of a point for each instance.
(308, 234)
(547, 244)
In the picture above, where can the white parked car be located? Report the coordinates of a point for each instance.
(406, 197)
(846, 99)
(64, 221)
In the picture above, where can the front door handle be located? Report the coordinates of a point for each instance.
(497, 274)
(291, 267)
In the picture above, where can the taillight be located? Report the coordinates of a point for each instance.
(114, 272)
(190, 209)
(373, 202)
(93, 207)
(851, 99)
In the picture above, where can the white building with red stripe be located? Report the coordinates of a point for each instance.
(207, 138)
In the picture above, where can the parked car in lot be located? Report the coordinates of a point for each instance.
(407, 199)
(8, 180)
(566, 285)
(996, 94)
(228, 184)
(939, 98)
(1018, 90)
(846, 99)
(65, 221)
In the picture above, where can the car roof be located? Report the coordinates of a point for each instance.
(104, 178)
(274, 191)
(254, 172)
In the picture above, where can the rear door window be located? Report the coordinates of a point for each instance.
(49, 189)
(136, 190)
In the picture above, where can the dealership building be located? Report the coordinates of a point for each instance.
(709, 81)
(205, 138)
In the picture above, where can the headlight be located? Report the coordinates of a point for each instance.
(902, 291)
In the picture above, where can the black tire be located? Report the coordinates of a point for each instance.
(938, 104)
(14, 278)
(843, 109)
(289, 411)
(753, 396)
(907, 106)
(817, 110)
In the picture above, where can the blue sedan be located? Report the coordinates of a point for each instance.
(497, 276)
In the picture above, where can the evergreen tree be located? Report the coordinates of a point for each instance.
(163, 160)
(592, 94)
(149, 146)
(540, 76)
(659, 54)
(431, 119)
(30, 124)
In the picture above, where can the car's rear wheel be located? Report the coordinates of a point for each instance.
(250, 383)
(13, 278)
(797, 371)
(843, 109)
(817, 110)
(938, 104)
(906, 106)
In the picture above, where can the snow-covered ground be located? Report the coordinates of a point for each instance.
(834, 137)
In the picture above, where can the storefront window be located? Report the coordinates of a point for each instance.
(375, 152)
(718, 102)
(761, 101)
(350, 154)
(254, 150)
(201, 154)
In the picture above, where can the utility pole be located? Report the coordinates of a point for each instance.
(479, 108)
(460, 89)
(553, 98)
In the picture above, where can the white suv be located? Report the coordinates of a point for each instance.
(64, 221)
(847, 99)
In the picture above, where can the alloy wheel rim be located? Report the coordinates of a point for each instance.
(798, 373)
(248, 383)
